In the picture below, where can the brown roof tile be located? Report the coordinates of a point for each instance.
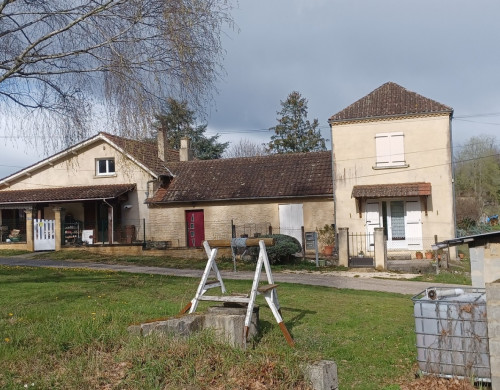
(146, 152)
(388, 100)
(391, 190)
(274, 176)
(60, 194)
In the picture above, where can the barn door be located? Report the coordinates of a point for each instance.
(291, 220)
(195, 223)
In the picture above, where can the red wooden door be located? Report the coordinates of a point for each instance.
(195, 223)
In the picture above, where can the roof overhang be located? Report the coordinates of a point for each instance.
(23, 198)
(396, 190)
(472, 241)
(73, 150)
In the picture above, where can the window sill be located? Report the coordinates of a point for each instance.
(376, 168)
(104, 176)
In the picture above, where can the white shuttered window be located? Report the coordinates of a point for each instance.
(390, 149)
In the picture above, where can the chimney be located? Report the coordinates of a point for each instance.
(185, 153)
(162, 144)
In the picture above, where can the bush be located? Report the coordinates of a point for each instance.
(281, 252)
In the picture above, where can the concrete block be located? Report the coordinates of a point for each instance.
(179, 326)
(237, 309)
(228, 328)
(493, 292)
(495, 382)
(322, 375)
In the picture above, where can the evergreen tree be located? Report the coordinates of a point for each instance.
(294, 132)
(179, 121)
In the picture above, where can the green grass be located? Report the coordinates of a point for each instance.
(12, 252)
(63, 328)
(457, 273)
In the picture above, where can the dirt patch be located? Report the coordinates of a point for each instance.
(435, 383)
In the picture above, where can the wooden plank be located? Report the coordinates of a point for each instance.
(266, 288)
(249, 242)
(224, 299)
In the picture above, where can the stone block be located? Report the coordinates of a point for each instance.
(322, 375)
(179, 326)
(239, 309)
(228, 328)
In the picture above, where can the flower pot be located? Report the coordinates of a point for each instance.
(428, 255)
(461, 256)
(419, 255)
(327, 250)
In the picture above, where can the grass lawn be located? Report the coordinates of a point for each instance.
(67, 329)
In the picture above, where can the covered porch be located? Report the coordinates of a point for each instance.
(82, 215)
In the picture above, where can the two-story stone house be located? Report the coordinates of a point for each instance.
(392, 155)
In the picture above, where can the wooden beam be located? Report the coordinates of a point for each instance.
(249, 242)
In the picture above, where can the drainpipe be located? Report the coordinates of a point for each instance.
(112, 222)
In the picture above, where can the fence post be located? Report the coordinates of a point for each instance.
(344, 247)
(380, 249)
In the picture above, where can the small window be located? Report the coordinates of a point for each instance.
(105, 167)
(390, 150)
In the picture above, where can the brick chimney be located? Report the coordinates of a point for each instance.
(185, 152)
(162, 144)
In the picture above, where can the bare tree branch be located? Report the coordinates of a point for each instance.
(120, 59)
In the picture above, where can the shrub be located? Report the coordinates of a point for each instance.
(282, 251)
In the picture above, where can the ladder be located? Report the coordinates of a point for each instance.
(268, 290)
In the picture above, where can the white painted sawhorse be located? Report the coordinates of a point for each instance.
(268, 291)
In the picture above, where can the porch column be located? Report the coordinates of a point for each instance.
(380, 249)
(29, 230)
(58, 215)
(344, 247)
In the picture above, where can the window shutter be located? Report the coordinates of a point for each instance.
(397, 149)
(383, 147)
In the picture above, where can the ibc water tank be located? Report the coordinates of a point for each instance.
(452, 333)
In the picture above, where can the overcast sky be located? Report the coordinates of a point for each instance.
(335, 52)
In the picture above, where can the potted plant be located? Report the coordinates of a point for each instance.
(326, 236)
(429, 254)
(419, 255)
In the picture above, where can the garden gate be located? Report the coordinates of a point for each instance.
(44, 234)
(361, 250)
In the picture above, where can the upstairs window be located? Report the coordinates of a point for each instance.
(105, 167)
(390, 150)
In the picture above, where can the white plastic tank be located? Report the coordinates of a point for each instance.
(452, 332)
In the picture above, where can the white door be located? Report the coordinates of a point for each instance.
(413, 225)
(372, 222)
(291, 220)
(44, 234)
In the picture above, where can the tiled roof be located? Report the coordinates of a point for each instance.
(388, 100)
(60, 194)
(274, 176)
(391, 190)
(145, 152)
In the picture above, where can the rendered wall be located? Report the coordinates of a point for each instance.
(80, 170)
(167, 223)
(427, 146)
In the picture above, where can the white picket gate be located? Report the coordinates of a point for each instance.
(44, 234)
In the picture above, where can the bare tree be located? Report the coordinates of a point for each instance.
(245, 148)
(65, 63)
